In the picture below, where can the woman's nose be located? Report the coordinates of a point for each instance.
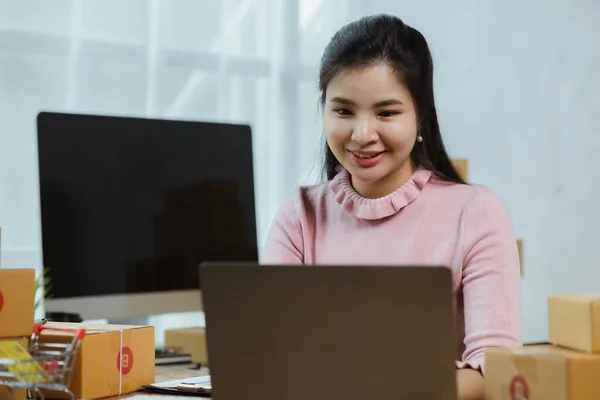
(364, 132)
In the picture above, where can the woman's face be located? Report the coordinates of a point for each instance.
(370, 124)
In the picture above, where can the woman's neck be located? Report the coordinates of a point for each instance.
(386, 185)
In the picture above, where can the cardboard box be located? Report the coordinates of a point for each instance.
(574, 321)
(112, 360)
(520, 248)
(19, 394)
(17, 302)
(541, 373)
(462, 166)
(188, 340)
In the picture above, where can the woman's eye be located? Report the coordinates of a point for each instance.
(342, 111)
(387, 114)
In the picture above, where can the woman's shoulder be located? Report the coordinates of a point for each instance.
(314, 192)
(467, 195)
(304, 198)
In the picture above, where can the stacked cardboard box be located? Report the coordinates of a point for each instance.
(190, 341)
(462, 166)
(17, 299)
(566, 369)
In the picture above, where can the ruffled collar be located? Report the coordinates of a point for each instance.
(365, 208)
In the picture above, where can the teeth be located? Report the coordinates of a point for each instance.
(366, 156)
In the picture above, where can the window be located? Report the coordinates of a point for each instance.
(249, 61)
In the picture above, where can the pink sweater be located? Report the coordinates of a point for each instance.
(425, 222)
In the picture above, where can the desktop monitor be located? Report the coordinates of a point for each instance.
(130, 207)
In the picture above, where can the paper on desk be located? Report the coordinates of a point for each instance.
(200, 381)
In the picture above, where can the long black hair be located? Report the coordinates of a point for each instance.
(387, 39)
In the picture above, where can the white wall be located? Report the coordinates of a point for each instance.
(518, 91)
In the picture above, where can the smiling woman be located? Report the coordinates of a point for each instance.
(392, 195)
(380, 65)
(371, 125)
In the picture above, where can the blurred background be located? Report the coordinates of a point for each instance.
(517, 86)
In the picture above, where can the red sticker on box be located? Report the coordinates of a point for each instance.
(519, 390)
(1, 300)
(125, 360)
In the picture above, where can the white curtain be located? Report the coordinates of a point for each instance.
(246, 61)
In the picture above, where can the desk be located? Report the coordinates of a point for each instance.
(167, 373)
(151, 396)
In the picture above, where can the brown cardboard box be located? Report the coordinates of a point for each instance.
(112, 360)
(188, 340)
(541, 373)
(462, 165)
(17, 302)
(19, 394)
(520, 248)
(574, 321)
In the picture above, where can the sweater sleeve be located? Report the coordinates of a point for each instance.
(491, 281)
(284, 244)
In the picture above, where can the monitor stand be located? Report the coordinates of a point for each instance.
(129, 321)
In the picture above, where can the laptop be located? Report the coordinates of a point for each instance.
(329, 332)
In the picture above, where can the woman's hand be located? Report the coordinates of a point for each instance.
(470, 384)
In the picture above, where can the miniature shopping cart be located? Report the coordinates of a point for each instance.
(48, 366)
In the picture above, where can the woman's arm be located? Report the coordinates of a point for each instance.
(470, 384)
(284, 243)
(491, 287)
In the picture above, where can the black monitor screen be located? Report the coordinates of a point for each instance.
(133, 205)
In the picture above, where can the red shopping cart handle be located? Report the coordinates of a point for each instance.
(79, 333)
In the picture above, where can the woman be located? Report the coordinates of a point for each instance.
(392, 195)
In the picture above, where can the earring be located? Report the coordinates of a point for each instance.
(419, 138)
